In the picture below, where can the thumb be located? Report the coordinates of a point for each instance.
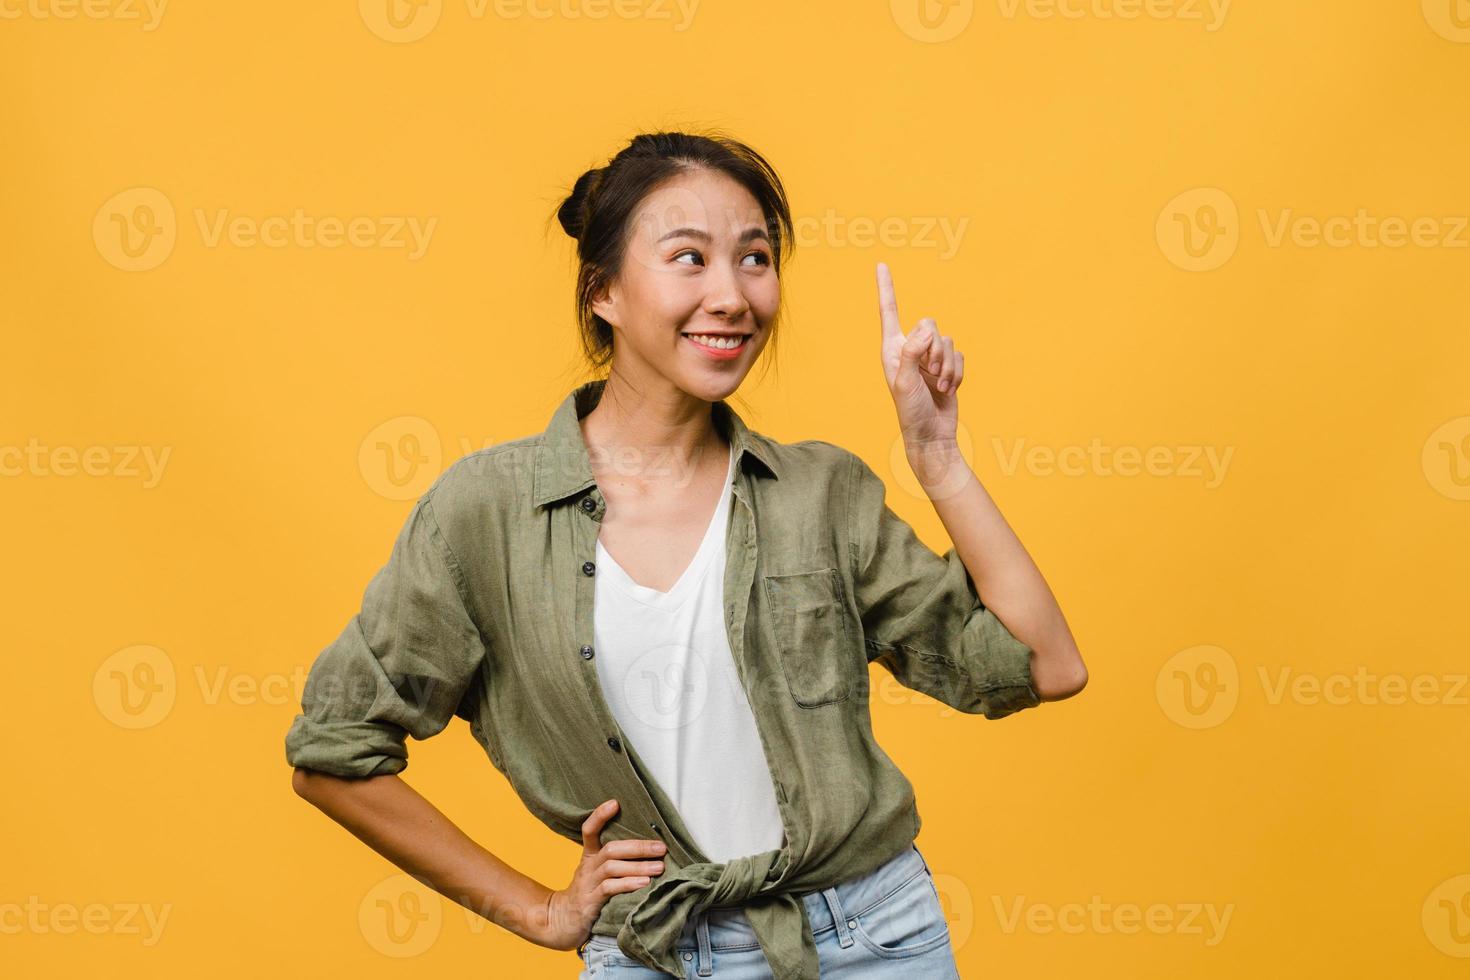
(592, 826)
(913, 354)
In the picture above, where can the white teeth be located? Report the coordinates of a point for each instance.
(720, 343)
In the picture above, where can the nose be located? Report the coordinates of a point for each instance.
(724, 296)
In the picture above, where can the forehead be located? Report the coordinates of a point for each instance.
(703, 199)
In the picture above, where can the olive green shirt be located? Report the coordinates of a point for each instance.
(485, 610)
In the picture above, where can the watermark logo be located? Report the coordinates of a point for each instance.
(941, 234)
(1206, 463)
(932, 21)
(299, 229)
(37, 918)
(35, 459)
(1446, 458)
(135, 229)
(400, 916)
(401, 457)
(1209, 13)
(678, 208)
(400, 21)
(674, 208)
(1362, 230)
(138, 686)
(135, 687)
(1207, 920)
(1198, 687)
(1449, 18)
(940, 475)
(1446, 916)
(668, 686)
(148, 13)
(405, 21)
(958, 904)
(1363, 687)
(1199, 230)
(680, 13)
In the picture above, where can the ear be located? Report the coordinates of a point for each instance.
(604, 303)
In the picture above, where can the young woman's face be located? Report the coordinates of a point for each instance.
(698, 262)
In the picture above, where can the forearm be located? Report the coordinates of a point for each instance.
(1008, 581)
(393, 819)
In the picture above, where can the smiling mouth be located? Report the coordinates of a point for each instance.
(715, 342)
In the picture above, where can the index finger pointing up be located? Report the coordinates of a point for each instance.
(887, 304)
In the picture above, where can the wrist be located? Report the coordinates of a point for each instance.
(529, 914)
(932, 449)
(939, 467)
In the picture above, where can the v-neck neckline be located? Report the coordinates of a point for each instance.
(674, 597)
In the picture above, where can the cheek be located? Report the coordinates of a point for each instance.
(662, 301)
(765, 299)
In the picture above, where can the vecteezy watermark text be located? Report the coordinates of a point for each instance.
(136, 230)
(1204, 919)
(1200, 230)
(36, 917)
(1210, 13)
(1095, 459)
(39, 460)
(148, 12)
(406, 21)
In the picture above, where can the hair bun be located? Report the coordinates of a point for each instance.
(573, 211)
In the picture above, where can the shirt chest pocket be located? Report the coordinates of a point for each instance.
(814, 641)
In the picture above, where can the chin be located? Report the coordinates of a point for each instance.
(712, 389)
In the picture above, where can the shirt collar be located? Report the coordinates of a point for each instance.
(563, 466)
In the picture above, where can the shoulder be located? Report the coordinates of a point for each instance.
(813, 470)
(842, 474)
(481, 489)
(807, 458)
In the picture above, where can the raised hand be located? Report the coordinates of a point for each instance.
(923, 370)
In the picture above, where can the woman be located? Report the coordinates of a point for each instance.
(658, 621)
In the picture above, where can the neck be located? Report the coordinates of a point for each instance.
(650, 434)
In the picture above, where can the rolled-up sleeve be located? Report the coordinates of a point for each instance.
(922, 617)
(400, 667)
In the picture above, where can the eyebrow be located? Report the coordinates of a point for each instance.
(745, 236)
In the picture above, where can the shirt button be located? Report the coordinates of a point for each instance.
(587, 567)
(586, 653)
(689, 956)
(614, 744)
(588, 504)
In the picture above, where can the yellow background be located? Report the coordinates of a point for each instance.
(1334, 543)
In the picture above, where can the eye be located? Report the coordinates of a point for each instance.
(761, 257)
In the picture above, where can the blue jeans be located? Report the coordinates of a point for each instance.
(877, 925)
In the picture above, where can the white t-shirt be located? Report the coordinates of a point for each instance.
(667, 673)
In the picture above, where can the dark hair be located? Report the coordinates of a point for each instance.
(598, 210)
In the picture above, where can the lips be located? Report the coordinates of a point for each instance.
(718, 341)
(708, 350)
